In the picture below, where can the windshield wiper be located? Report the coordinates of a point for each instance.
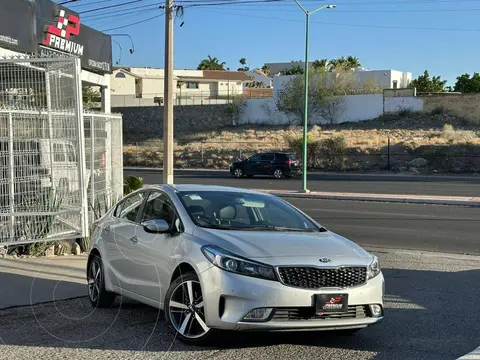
(280, 228)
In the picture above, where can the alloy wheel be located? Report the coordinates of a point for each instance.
(238, 173)
(94, 281)
(186, 310)
(278, 174)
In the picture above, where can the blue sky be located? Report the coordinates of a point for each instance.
(441, 36)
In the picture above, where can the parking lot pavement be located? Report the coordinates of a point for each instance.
(431, 313)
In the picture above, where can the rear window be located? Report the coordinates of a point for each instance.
(292, 156)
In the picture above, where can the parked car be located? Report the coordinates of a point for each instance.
(277, 164)
(219, 258)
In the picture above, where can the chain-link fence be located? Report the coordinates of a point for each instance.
(43, 178)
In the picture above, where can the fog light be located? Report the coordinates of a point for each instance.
(376, 310)
(258, 314)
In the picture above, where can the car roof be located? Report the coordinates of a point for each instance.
(213, 188)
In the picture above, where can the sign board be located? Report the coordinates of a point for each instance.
(61, 30)
(16, 29)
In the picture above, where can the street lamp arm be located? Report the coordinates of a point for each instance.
(301, 7)
(132, 50)
(323, 7)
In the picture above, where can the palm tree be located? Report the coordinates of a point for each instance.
(243, 62)
(266, 69)
(353, 62)
(294, 70)
(321, 64)
(211, 64)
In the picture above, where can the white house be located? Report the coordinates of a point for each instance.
(139, 86)
(260, 77)
(386, 79)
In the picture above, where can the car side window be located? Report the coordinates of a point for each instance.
(130, 207)
(268, 157)
(159, 207)
(255, 158)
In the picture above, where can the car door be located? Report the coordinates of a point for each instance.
(252, 166)
(266, 164)
(120, 234)
(152, 254)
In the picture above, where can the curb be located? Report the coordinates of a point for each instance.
(474, 355)
(405, 199)
(337, 175)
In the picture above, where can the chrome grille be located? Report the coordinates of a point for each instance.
(308, 313)
(316, 278)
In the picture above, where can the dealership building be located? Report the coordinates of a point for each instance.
(42, 28)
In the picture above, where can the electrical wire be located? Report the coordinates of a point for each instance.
(343, 24)
(361, 11)
(110, 6)
(135, 23)
(75, 6)
(126, 11)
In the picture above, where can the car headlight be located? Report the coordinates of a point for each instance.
(373, 269)
(238, 265)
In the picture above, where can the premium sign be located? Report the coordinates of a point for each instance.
(61, 30)
(58, 36)
(13, 36)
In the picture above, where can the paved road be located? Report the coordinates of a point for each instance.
(430, 314)
(406, 226)
(320, 183)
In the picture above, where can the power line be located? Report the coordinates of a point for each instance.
(109, 7)
(230, 3)
(89, 4)
(350, 4)
(359, 11)
(126, 11)
(342, 24)
(135, 23)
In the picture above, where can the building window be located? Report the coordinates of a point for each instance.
(120, 75)
(395, 84)
(192, 85)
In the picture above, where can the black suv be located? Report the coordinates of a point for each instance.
(277, 164)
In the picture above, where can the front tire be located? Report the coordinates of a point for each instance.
(238, 173)
(185, 310)
(97, 294)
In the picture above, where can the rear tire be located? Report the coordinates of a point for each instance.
(278, 173)
(97, 294)
(185, 311)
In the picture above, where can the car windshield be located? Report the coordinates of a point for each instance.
(229, 210)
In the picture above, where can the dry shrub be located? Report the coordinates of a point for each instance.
(449, 133)
(333, 153)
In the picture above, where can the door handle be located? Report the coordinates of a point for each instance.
(134, 239)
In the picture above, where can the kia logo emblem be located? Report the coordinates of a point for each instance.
(324, 260)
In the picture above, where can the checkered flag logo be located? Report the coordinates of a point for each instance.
(66, 26)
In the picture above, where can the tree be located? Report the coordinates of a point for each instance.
(321, 64)
(424, 83)
(294, 70)
(90, 97)
(353, 62)
(467, 84)
(211, 64)
(243, 62)
(266, 70)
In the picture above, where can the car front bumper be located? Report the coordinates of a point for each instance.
(228, 297)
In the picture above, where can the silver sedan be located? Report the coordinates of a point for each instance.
(218, 258)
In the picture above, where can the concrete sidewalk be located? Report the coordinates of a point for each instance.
(412, 199)
(44, 279)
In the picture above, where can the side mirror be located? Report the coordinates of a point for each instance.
(156, 226)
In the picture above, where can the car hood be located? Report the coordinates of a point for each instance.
(280, 248)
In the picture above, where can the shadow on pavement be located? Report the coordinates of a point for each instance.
(429, 315)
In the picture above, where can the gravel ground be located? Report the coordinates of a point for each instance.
(430, 314)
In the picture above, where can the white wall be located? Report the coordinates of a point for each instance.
(122, 86)
(395, 104)
(355, 108)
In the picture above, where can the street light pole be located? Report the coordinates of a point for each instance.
(305, 109)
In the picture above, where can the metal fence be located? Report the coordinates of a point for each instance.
(56, 163)
(42, 164)
(191, 97)
(104, 158)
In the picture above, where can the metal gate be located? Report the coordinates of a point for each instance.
(43, 180)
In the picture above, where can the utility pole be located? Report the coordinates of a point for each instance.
(305, 105)
(168, 94)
